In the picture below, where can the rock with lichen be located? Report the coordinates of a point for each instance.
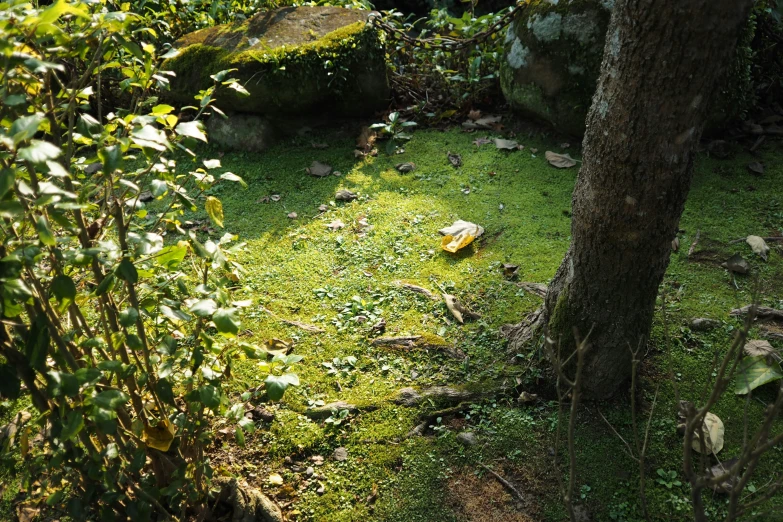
(293, 61)
(553, 53)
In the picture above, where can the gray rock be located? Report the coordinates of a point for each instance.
(322, 412)
(340, 454)
(468, 438)
(248, 132)
(702, 324)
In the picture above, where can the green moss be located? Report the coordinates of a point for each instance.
(287, 260)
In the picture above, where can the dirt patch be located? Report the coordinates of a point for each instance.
(483, 499)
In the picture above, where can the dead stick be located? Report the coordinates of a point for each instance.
(693, 245)
(506, 483)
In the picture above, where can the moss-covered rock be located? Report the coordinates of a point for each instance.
(553, 54)
(292, 60)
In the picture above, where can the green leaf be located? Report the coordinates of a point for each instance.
(164, 391)
(226, 321)
(209, 396)
(191, 129)
(55, 498)
(275, 387)
(61, 383)
(230, 176)
(7, 177)
(63, 288)
(247, 424)
(88, 375)
(74, 423)
(37, 345)
(105, 285)
(214, 210)
(10, 385)
(11, 209)
(40, 152)
(127, 272)
(25, 127)
(753, 372)
(44, 231)
(162, 110)
(174, 314)
(204, 308)
(110, 366)
(111, 158)
(129, 316)
(240, 436)
(170, 257)
(111, 399)
(158, 187)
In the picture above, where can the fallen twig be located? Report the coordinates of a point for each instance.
(304, 326)
(693, 245)
(506, 484)
(419, 290)
(538, 289)
(407, 341)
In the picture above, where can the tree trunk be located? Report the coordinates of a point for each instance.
(662, 62)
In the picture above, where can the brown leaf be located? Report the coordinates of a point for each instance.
(277, 347)
(760, 347)
(506, 144)
(293, 215)
(159, 436)
(27, 513)
(565, 145)
(366, 139)
(756, 167)
(676, 244)
(454, 159)
(510, 270)
(490, 122)
(481, 141)
(561, 161)
(335, 225)
(722, 468)
(458, 310)
(323, 208)
(319, 169)
(474, 115)
(758, 245)
(345, 195)
(275, 197)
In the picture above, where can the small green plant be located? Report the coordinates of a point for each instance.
(341, 367)
(394, 131)
(337, 417)
(668, 478)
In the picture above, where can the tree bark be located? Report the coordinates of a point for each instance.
(661, 65)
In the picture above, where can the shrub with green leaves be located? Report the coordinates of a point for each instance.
(119, 323)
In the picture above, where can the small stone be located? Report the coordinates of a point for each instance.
(345, 195)
(309, 471)
(317, 460)
(321, 489)
(468, 438)
(702, 324)
(293, 215)
(337, 173)
(323, 208)
(261, 413)
(340, 454)
(288, 461)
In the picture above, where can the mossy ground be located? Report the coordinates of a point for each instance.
(302, 271)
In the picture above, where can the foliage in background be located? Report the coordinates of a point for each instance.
(119, 324)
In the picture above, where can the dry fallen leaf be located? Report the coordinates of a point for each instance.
(335, 225)
(454, 159)
(510, 270)
(160, 436)
(345, 195)
(720, 469)
(565, 145)
(489, 122)
(277, 347)
(713, 435)
(323, 208)
(760, 347)
(27, 513)
(506, 144)
(676, 244)
(275, 479)
(405, 167)
(561, 161)
(459, 235)
(474, 114)
(275, 197)
(758, 245)
(319, 169)
(478, 142)
(458, 310)
(756, 168)
(293, 215)
(533, 151)
(366, 139)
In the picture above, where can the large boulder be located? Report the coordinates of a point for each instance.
(553, 53)
(293, 61)
(552, 60)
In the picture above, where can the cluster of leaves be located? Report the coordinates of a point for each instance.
(433, 77)
(119, 324)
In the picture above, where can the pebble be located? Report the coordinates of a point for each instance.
(468, 438)
(340, 454)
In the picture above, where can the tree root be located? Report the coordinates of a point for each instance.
(505, 483)
(519, 335)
